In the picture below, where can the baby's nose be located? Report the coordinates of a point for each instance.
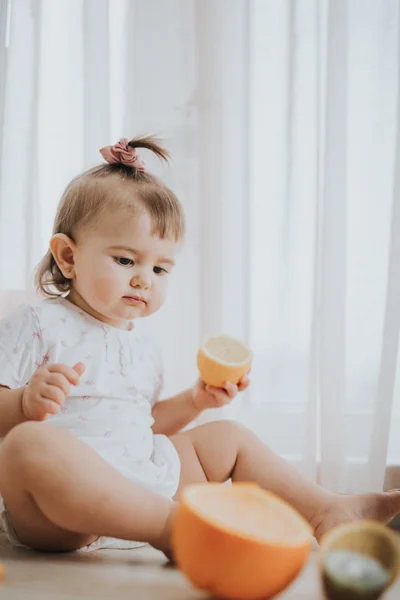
(141, 280)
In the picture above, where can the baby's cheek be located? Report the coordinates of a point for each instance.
(159, 294)
(103, 289)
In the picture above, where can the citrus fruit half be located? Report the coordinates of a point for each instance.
(357, 542)
(223, 358)
(239, 541)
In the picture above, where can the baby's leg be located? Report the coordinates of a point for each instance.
(61, 495)
(222, 450)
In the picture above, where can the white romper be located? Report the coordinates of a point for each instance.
(110, 409)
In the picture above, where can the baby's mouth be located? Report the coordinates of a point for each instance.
(135, 300)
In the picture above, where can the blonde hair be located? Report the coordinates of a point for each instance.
(91, 193)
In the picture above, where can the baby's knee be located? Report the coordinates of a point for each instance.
(20, 445)
(227, 429)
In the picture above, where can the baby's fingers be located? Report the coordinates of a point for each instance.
(72, 374)
(49, 408)
(231, 389)
(220, 395)
(224, 394)
(243, 383)
(44, 409)
(79, 368)
(60, 381)
(53, 393)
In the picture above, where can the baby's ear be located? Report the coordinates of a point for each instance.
(63, 250)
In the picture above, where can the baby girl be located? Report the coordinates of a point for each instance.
(90, 456)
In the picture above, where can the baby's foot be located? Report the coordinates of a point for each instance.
(340, 509)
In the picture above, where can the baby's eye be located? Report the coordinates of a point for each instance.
(160, 271)
(124, 262)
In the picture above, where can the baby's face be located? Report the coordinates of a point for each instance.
(121, 269)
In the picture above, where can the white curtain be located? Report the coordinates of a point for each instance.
(282, 118)
(324, 234)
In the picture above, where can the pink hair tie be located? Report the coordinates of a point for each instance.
(123, 154)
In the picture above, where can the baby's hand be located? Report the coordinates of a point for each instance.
(48, 388)
(208, 396)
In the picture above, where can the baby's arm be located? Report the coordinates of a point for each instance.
(11, 413)
(173, 414)
(170, 416)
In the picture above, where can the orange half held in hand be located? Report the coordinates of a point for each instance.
(223, 358)
(239, 541)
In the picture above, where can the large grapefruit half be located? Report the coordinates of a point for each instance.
(239, 541)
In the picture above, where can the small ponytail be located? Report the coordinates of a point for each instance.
(123, 155)
(150, 143)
